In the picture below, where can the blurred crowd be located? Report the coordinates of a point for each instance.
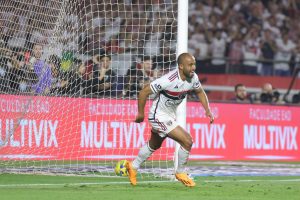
(259, 37)
(47, 52)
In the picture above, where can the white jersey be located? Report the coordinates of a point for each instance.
(170, 91)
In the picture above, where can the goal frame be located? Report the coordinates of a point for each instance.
(182, 41)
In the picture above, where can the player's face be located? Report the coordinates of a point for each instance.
(189, 66)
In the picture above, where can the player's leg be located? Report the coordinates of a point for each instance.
(185, 140)
(145, 152)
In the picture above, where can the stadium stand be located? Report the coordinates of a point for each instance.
(245, 38)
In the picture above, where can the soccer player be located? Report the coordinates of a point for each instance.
(170, 91)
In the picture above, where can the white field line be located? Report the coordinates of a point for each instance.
(141, 182)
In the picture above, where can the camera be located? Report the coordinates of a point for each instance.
(266, 98)
(296, 98)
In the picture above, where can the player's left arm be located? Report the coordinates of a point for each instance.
(204, 101)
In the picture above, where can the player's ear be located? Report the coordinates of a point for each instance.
(180, 66)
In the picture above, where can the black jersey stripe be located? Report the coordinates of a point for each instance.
(173, 97)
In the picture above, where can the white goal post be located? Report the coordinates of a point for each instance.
(182, 41)
(70, 72)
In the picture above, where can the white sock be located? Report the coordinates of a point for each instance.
(144, 153)
(183, 156)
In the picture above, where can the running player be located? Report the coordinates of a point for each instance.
(170, 91)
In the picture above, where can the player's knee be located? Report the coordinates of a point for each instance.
(154, 146)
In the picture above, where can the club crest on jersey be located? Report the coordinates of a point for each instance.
(196, 85)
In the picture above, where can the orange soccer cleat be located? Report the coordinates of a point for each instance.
(185, 179)
(131, 173)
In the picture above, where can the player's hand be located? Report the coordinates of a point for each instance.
(211, 116)
(139, 118)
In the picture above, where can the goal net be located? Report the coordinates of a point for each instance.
(70, 72)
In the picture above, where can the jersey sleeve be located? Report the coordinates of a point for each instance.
(159, 84)
(196, 82)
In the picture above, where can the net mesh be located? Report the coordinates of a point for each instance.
(70, 72)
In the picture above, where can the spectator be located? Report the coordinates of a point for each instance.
(251, 51)
(74, 81)
(285, 49)
(268, 49)
(78, 81)
(152, 45)
(66, 83)
(14, 74)
(235, 53)
(218, 48)
(269, 95)
(138, 76)
(241, 95)
(104, 77)
(4, 75)
(18, 81)
(266, 95)
(42, 69)
(200, 48)
(57, 84)
(270, 24)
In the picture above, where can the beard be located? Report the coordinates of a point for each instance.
(188, 74)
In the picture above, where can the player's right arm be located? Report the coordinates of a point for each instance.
(153, 88)
(143, 96)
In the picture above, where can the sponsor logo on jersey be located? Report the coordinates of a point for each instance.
(171, 102)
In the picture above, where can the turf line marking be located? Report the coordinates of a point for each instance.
(141, 182)
(76, 184)
(252, 180)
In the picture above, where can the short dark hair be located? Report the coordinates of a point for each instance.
(238, 85)
(181, 58)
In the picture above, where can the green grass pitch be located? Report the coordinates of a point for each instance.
(44, 187)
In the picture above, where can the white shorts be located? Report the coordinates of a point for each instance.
(163, 124)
